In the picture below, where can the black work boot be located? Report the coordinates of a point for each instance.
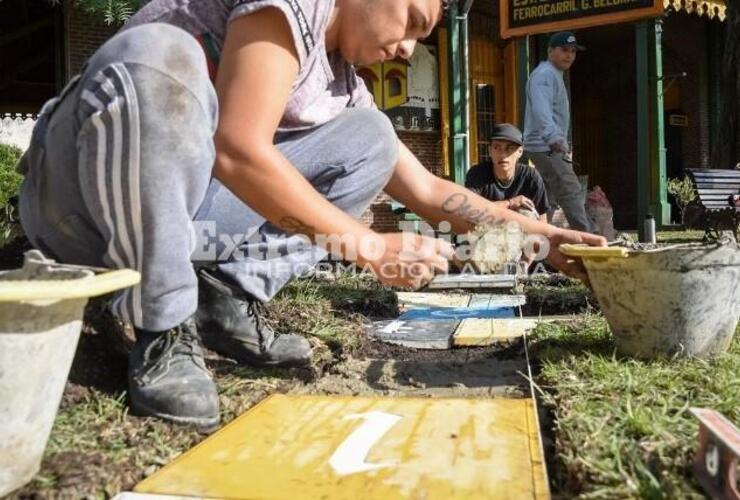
(168, 379)
(230, 321)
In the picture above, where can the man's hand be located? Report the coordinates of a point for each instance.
(520, 201)
(568, 265)
(406, 260)
(559, 146)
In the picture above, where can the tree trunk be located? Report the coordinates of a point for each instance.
(726, 152)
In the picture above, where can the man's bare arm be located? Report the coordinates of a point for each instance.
(251, 105)
(439, 200)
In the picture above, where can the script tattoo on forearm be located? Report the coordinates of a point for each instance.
(293, 225)
(458, 204)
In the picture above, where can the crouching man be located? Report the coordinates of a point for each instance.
(245, 116)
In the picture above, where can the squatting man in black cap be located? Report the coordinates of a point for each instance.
(505, 180)
(546, 129)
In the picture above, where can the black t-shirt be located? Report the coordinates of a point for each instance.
(527, 181)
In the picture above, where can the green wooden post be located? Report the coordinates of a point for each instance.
(522, 62)
(464, 100)
(659, 207)
(643, 131)
(457, 136)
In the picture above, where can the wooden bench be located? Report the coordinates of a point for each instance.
(714, 189)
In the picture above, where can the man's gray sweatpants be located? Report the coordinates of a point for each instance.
(119, 175)
(563, 188)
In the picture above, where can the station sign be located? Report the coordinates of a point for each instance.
(530, 17)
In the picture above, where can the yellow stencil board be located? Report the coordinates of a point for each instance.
(312, 447)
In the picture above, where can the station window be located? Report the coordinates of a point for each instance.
(485, 113)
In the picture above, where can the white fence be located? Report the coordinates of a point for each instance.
(16, 129)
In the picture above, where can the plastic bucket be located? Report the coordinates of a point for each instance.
(680, 300)
(41, 307)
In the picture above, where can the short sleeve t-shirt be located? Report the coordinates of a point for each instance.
(325, 85)
(527, 182)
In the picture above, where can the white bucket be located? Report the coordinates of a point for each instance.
(680, 300)
(41, 307)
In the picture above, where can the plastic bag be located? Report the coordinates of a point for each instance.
(601, 213)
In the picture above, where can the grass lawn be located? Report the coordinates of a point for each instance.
(615, 428)
(621, 427)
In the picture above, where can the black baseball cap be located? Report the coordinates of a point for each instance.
(507, 132)
(564, 39)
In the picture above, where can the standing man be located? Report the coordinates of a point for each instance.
(546, 127)
(506, 181)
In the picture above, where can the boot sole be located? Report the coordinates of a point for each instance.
(204, 424)
(256, 362)
(225, 348)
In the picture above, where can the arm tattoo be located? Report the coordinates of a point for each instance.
(458, 204)
(293, 225)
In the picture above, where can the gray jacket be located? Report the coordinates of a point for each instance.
(547, 115)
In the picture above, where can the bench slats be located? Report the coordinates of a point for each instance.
(709, 190)
(715, 193)
(718, 184)
(727, 174)
(716, 205)
(710, 175)
(714, 187)
(729, 171)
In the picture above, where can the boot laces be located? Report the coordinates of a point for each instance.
(175, 342)
(256, 310)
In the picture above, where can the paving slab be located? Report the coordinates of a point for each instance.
(421, 326)
(410, 300)
(482, 332)
(420, 300)
(466, 281)
(152, 496)
(492, 301)
(417, 333)
(308, 447)
(460, 313)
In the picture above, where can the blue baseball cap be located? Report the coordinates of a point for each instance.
(564, 39)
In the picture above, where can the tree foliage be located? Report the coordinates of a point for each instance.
(111, 12)
(682, 191)
(10, 182)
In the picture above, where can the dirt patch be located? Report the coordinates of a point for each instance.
(390, 370)
(83, 475)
